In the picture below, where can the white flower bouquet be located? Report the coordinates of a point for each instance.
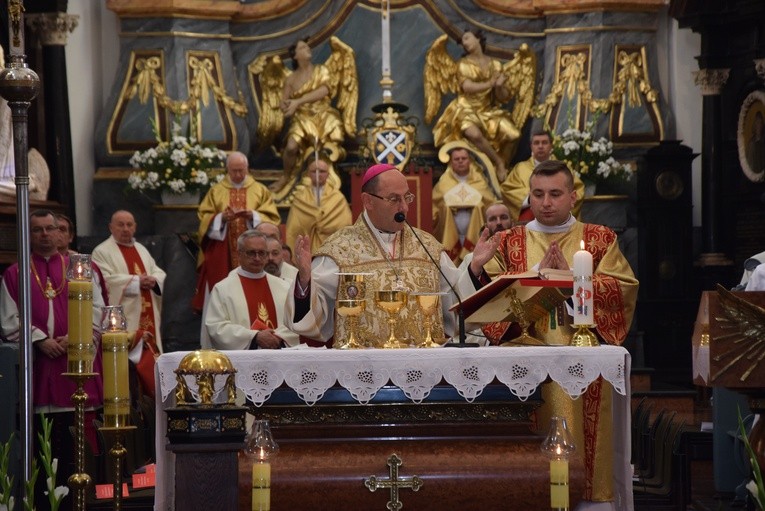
(178, 166)
(592, 160)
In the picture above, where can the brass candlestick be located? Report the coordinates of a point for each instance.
(117, 452)
(79, 481)
(584, 337)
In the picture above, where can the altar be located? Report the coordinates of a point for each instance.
(362, 375)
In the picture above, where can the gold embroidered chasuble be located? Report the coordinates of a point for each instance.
(480, 197)
(356, 250)
(317, 221)
(615, 294)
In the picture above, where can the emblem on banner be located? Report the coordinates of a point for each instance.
(392, 146)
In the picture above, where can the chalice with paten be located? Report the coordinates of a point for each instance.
(392, 301)
(429, 304)
(351, 303)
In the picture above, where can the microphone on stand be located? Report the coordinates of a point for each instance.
(401, 217)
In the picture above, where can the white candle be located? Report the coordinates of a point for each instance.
(583, 298)
(385, 4)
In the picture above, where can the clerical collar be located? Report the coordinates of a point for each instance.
(249, 275)
(132, 242)
(566, 226)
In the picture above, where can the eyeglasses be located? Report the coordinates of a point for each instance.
(396, 199)
(255, 253)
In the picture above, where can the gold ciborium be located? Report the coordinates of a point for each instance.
(392, 302)
(351, 309)
(429, 304)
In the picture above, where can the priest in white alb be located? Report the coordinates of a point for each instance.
(245, 309)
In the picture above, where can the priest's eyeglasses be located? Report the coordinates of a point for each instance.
(396, 199)
(262, 254)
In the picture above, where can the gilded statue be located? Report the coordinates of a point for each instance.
(482, 85)
(304, 96)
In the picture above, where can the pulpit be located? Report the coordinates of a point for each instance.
(420, 180)
(457, 420)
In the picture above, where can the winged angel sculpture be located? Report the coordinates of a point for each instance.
(482, 85)
(305, 96)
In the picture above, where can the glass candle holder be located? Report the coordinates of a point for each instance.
(115, 346)
(81, 351)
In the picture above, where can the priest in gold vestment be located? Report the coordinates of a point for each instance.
(550, 241)
(234, 205)
(459, 200)
(386, 249)
(515, 189)
(317, 210)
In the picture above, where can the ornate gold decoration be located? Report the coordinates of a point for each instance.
(267, 76)
(746, 324)
(393, 482)
(15, 10)
(204, 365)
(517, 313)
(584, 338)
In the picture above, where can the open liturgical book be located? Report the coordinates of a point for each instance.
(538, 291)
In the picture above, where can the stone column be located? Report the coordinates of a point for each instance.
(711, 82)
(51, 30)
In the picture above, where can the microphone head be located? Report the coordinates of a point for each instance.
(399, 217)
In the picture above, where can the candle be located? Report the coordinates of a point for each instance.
(559, 484)
(116, 386)
(385, 5)
(81, 350)
(583, 299)
(261, 486)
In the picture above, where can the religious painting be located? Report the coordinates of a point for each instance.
(751, 136)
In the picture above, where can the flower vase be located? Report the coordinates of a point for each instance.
(180, 199)
(590, 189)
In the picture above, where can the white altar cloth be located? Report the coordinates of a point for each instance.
(311, 372)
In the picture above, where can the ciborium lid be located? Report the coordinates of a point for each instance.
(205, 362)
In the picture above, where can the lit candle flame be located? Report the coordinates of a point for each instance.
(581, 244)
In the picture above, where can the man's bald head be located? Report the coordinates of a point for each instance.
(270, 230)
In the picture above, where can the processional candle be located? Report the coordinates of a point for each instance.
(583, 296)
(115, 344)
(81, 351)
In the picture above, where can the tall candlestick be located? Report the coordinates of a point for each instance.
(114, 342)
(80, 351)
(386, 81)
(583, 297)
(316, 173)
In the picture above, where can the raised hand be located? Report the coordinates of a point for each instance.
(484, 251)
(303, 259)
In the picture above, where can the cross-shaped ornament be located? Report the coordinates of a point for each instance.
(394, 483)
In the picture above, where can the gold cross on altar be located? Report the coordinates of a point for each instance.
(394, 483)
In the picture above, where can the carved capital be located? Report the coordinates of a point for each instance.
(52, 28)
(711, 81)
(759, 66)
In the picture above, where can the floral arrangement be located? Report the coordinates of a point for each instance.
(179, 165)
(54, 493)
(592, 160)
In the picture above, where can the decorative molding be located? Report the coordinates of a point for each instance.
(52, 28)
(711, 81)
(759, 66)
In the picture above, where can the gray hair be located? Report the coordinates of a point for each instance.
(252, 233)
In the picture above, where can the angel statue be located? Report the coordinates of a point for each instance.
(482, 85)
(304, 96)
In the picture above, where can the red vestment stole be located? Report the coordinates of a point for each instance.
(235, 227)
(260, 303)
(135, 267)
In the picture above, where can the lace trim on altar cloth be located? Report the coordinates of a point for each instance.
(310, 373)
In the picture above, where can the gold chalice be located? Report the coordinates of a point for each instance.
(351, 309)
(391, 301)
(429, 304)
